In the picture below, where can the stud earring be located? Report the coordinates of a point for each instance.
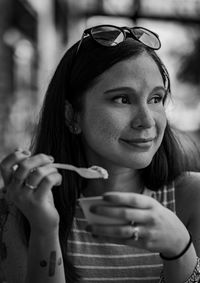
(76, 130)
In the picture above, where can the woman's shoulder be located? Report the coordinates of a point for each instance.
(187, 193)
(188, 183)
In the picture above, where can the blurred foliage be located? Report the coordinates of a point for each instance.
(190, 67)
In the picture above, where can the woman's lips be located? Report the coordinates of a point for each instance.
(140, 142)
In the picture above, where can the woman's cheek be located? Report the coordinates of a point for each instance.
(102, 128)
(161, 125)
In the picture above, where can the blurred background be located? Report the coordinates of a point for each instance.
(35, 33)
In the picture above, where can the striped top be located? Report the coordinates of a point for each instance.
(96, 260)
(99, 261)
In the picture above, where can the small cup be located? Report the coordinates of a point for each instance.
(87, 203)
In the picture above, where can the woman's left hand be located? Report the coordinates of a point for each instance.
(155, 227)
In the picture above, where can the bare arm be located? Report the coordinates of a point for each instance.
(179, 270)
(29, 187)
(45, 262)
(188, 210)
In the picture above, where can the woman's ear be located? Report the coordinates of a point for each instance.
(71, 119)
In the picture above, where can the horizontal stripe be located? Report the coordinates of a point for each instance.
(94, 244)
(120, 267)
(109, 256)
(105, 279)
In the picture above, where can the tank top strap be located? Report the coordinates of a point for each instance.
(165, 195)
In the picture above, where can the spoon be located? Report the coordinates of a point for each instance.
(93, 172)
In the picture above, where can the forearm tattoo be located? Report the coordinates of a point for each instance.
(53, 261)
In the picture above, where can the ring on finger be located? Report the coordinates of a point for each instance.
(33, 170)
(29, 186)
(135, 231)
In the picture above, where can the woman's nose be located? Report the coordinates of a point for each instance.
(143, 118)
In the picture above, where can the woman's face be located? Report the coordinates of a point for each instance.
(123, 120)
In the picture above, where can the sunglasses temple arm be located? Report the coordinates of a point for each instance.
(80, 42)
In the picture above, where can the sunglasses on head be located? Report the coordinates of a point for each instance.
(109, 36)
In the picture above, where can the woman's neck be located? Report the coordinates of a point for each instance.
(120, 179)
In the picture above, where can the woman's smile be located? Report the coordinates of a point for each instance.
(142, 144)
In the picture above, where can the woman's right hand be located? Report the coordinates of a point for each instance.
(28, 182)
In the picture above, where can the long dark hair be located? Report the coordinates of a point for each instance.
(74, 75)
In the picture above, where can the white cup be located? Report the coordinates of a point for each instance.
(87, 202)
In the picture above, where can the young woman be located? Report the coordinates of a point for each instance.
(105, 106)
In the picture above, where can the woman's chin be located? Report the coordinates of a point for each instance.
(141, 163)
(135, 164)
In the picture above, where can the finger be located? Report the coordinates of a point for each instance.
(47, 183)
(125, 213)
(6, 166)
(129, 199)
(25, 167)
(37, 174)
(137, 236)
(126, 232)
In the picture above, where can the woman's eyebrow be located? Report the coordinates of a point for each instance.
(129, 89)
(159, 88)
(118, 89)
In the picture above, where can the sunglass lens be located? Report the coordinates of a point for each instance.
(107, 35)
(147, 37)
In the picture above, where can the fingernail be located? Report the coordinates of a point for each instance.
(14, 167)
(26, 152)
(51, 158)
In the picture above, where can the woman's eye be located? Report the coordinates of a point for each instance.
(121, 99)
(156, 99)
